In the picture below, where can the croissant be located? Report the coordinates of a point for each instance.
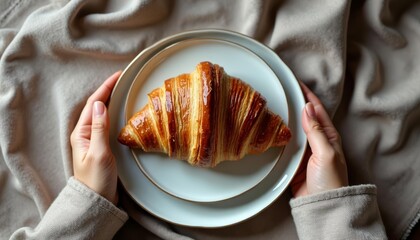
(205, 117)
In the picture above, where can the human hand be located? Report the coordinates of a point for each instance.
(93, 162)
(324, 166)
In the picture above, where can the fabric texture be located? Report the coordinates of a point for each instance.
(77, 213)
(344, 213)
(361, 58)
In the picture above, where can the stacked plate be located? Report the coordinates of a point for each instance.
(233, 191)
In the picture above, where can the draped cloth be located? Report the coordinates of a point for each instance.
(361, 58)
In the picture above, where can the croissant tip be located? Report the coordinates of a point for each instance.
(125, 138)
(284, 136)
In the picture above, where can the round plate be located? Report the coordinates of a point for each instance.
(228, 179)
(214, 214)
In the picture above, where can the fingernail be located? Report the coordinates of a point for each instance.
(98, 108)
(310, 110)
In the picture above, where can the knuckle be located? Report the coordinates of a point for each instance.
(98, 126)
(339, 138)
(90, 100)
(317, 127)
(333, 134)
(73, 138)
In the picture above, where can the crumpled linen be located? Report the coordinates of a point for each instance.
(361, 58)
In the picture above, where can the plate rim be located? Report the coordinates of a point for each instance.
(188, 34)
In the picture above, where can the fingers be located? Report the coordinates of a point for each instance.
(321, 115)
(317, 138)
(309, 95)
(105, 89)
(102, 94)
(99, 140)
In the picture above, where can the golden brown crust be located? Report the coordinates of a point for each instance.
(183, 116)
(205, 117)
(206, 113)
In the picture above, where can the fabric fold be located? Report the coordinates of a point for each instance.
(361, 58)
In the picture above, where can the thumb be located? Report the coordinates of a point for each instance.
(99, 137)
(317, 138)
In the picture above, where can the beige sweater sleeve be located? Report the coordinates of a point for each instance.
(345, 213)
(77, 213)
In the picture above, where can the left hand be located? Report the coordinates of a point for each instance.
(93, 162)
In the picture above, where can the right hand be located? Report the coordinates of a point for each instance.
(326, 167)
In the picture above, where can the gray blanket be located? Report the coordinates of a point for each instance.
(361, 58)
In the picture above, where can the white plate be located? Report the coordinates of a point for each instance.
(228, 179)
(215, 214)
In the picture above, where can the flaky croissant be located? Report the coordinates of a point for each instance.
(205, 117)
